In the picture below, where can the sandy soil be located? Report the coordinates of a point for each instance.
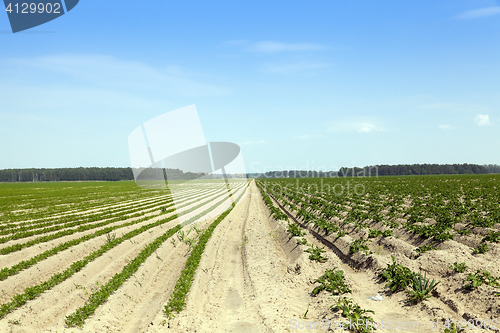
(253, 278)
(154, 278)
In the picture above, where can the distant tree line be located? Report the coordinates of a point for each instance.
(385, 170)
(87, 174)
(493, 168)
(115, 174)
(431, 169)
(65, 174)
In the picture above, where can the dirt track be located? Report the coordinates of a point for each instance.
(254, 279)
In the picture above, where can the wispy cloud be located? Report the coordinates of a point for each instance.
(455, 107)
(438, 106)
(274, 47)
(252, 143)
(478, 13)
(360, 126)
(482, 120)
(446, 127)
(293, 68)
(308, 136)
(111, 72)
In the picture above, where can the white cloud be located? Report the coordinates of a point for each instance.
(360, 126)
(445, 127)
(252, 143)
(478, 13)
(482, 120)
(273, 47)
(292, 68)
(366, 128)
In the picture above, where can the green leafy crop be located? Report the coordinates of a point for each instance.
(332, 281)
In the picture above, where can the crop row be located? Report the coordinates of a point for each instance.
(42, 239)
(177, 300)
(32, 292)
(78, 317)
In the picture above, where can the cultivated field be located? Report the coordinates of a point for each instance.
(277, 256)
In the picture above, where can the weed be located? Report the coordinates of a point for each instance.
(245, 241)
(332, 281)
(181, 236)
(14, 322)
(422, 287)
(459, 268)
(307, 310)
(110, 237)
(274, 234)
(315, 253)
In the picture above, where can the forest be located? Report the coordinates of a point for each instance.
(116, 174)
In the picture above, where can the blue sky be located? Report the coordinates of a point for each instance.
(302, 84)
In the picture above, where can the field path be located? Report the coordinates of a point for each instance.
(242, 284)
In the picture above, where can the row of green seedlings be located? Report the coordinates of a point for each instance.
(47, 238)
(29, 231)
(32, 292)
(41, 203)
(78, 317)
(99, 214)
(332, 281)
(475, 280)
(6, 272)
(98, 297)
(437, 231)
(108, 195)
(377, 216)
(321, 223)
(177, 300)
(90, 217)
(443, 196)
(276, 213)
(328, 227)
(25, 264)
(81, 223)
(294, 230)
